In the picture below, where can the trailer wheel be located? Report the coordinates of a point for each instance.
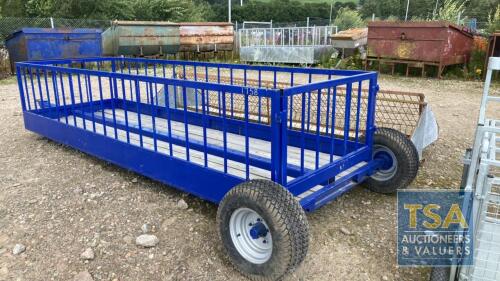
(264, 229)
(440, 274)
(400, 161)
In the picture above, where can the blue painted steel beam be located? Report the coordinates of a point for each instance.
(319, 71)
(208, 184)
(326, 172)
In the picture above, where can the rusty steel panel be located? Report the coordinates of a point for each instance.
(206, 36)
(436, 42)
(141, 38)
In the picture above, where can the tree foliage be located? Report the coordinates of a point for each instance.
(109, 9)
(276, 10)
(347, 18)
(451, 10)
(494, 20)
(172, 10)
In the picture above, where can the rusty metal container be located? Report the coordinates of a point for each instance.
(141, 38)
(206, 36)
(493, 49)
(429, 42)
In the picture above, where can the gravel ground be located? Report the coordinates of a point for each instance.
(58, 203)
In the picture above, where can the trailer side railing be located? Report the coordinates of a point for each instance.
(146, 104)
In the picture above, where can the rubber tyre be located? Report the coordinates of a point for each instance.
(285, 218)
(440, 274)
(407, 161)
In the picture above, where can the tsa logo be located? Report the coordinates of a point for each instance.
(434, 228)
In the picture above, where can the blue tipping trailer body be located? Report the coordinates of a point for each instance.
(291, 135)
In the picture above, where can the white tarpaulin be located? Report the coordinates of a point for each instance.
(426, 132)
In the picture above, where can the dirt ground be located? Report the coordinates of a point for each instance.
(58, 202)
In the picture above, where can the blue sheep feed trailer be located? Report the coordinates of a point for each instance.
(265, 143)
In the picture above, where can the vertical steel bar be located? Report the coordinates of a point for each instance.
(130, 83)
(45, 78)
(207, 103)
(88, 85)
(72, 97)
(154, 113)
(169, 123)
(33, 89)
(56, 95)
(370, 118)
(80, 94)
(186, 127)
(247, 141)
(147, 88)
(302, 135)
(219, 98)
(309, 105)
(204, 122)
(291, 102)
(260, 98)
(327, 119)
(113, 92)
(20, 85)
(156, 86)
(125, 110)
(232, 94)
(347, 118)
(224, 130)
(278, 137)
(101, 102)
(42, 103)
(138, 103)
(334, 110)
(358, 109)
(195, 90)
(174, 74)
(318, 127)
(63, 95)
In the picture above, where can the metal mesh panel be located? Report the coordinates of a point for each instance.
(395, 109)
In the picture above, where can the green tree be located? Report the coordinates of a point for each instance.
(450, 10)
(171, 10)
(381, 8)
(87, 9)
(347, 18)
(479, 9)
(494, 20)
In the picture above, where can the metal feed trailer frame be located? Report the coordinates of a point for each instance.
(481, 176)
(187, 133)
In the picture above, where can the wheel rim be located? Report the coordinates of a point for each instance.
(251, 236)
(390, 167)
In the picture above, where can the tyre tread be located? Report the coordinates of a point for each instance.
(288, 215)
(409, 154)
